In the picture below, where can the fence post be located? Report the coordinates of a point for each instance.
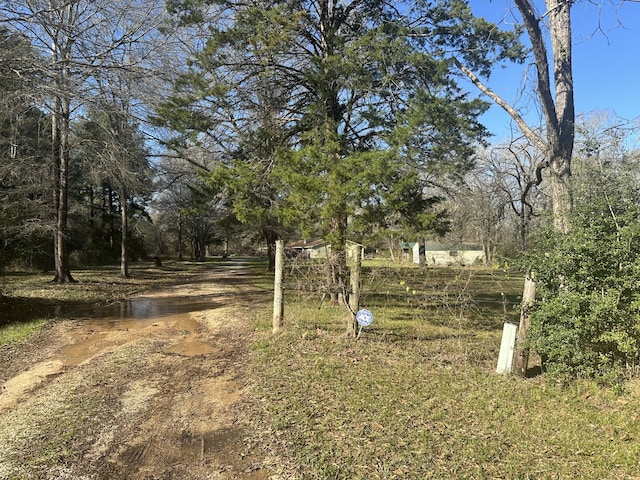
(354, 280)
(278, 289)
(522, 354)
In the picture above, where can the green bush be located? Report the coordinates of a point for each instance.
(585, 323)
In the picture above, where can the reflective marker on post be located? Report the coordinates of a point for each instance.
(364, 318)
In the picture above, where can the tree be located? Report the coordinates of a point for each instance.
(587, 324)
(499, 199)
(187, 204)
(83, 42)
(549, 32)
(548, 27)
(522, 168)
(364, 102)
(114, 155)
(248, 180)
(24, 147)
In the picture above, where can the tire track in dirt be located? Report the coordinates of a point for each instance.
(160, 400)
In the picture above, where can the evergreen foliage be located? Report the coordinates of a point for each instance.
(112, 172)
(25, 145)
(326, 116)
(586, 323)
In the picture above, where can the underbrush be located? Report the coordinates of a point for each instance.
(417, 395)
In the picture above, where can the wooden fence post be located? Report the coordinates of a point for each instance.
(522, 353)
(278, 289)
(354, 280)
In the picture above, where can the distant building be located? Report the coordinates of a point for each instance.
(411, 251)
(314, 248)
(443, 254)
(308, 248)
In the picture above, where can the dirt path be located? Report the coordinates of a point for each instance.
(152, 399)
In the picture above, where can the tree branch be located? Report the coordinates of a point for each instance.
(531, 135)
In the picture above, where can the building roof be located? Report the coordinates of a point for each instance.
(302, 244)
(435, 247)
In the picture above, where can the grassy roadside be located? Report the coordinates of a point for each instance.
(417, 396)
(30, 300)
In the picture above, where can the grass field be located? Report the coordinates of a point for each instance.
(417, 395)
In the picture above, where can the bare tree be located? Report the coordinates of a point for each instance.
(84, 42)
(499, 199)
(604, 144)
(549, 31)
(114, 153)
(518, 166)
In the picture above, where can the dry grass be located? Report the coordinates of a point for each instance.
(417, 396)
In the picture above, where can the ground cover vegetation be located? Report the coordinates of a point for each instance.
(341, 120)
(417, 396)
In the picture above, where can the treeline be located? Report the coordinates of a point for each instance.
(208, 125)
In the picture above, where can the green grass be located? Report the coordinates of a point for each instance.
(99, 284)
(18, 332)
(418, 397)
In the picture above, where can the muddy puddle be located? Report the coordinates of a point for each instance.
(140, 308)
(100, 330)
(145, 309)
(140, 313)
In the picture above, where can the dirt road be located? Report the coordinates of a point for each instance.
(161, 398)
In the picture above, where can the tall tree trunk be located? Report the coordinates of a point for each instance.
(61, 59)
(338, 259)
(111, 208)
(271, 238)
(556, 98)
(391, 240)
(180, 228)
(55, 162)
(124, 250)
(61, 189)
(561, 199)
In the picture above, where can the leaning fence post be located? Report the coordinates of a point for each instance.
(278, 290)
(522, 353)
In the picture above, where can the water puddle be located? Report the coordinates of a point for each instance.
(80, 352)
(15, 310)
(137, 314)
(140, 310)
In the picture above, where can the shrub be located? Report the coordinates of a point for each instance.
(586, 321)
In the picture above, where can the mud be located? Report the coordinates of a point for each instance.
(155, 389)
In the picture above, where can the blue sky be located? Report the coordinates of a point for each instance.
(606, 63)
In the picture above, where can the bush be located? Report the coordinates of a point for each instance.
(586, 322)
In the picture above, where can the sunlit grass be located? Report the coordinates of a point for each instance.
(17, 332)
(417, 395)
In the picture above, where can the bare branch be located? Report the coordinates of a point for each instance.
(531, 135)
